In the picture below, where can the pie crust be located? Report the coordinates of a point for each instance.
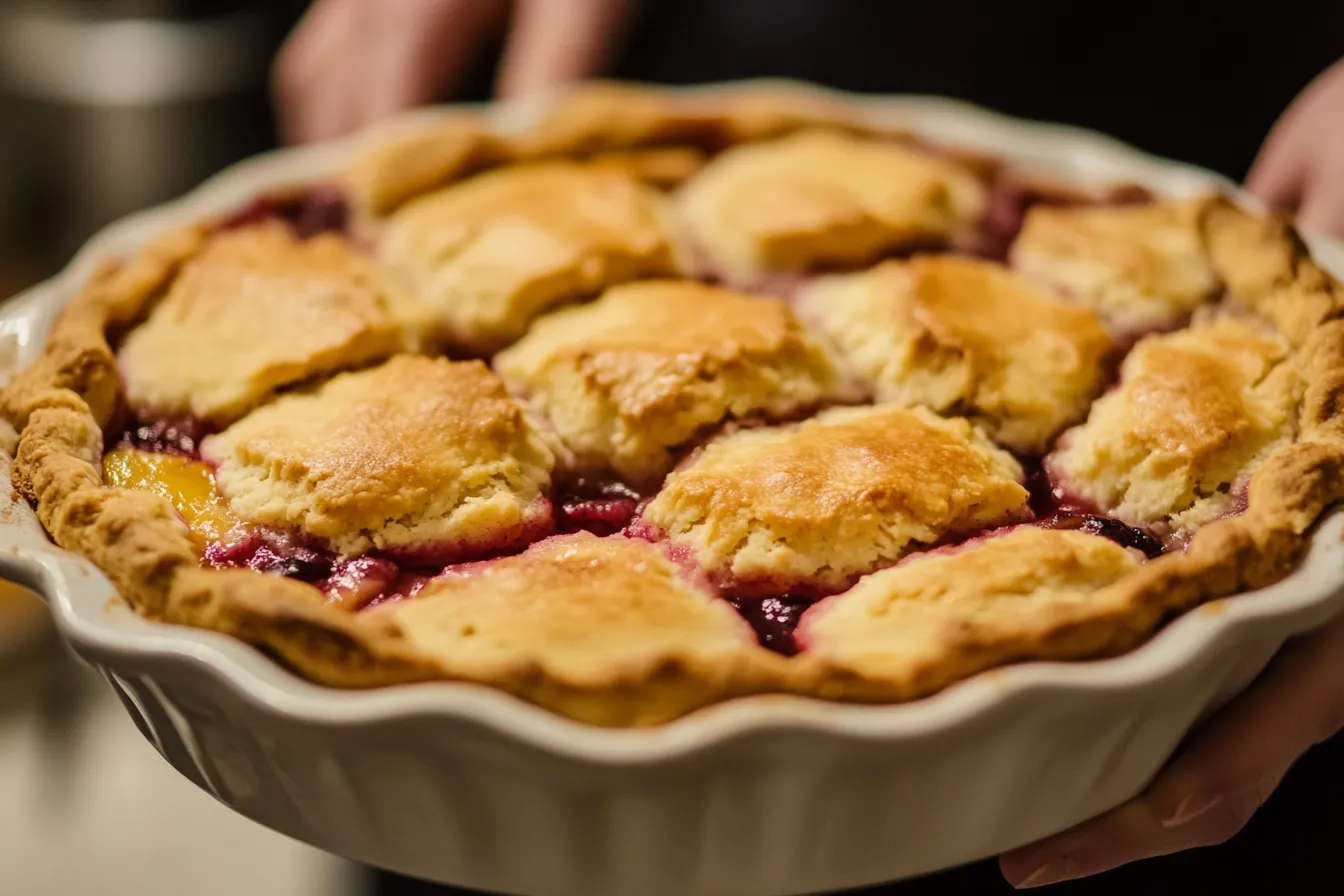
(823, 501)
(630, 379)
(821, 198)
(1221, 441)
(966, 336)
(201, 352)
(1028, 594)
(489, 255)
(1143, 266)
(417, 456)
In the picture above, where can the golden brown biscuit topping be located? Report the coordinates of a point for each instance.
(846, 492)
(825, 198)
(965, 336)
(488, 255)
(630, 378)
(254, 311)
(1141, 265)
(1193, 415)
(416, 456)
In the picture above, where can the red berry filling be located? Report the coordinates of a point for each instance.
(602, 508)
(775, 619)
(181, 435)
(356, 583)
(1057, 508)
(1118, 532)
(309, 212)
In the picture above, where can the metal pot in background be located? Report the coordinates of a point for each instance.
(108, 107)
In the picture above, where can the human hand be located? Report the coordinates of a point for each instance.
(350, 62)
(1218, 780)
(1300, 168)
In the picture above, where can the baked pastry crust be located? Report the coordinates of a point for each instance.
(1144, 265)
(1195, 412)
(939, 617)
(593, 617)
(660, 139)
(60, 406)
(219, 343)
(418, 457)
(602, 116)
(418, 159)
(818, 503)
(630, 379)
(819, 198)
(490, 254)
(965, 336)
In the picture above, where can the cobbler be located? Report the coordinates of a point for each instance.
(664, 402)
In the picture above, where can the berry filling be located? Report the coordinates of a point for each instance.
(179, 436)
(1057, 508)
(356, 583)
(1118, 532)
(602, 508)
(307, 212)
(775, 619)
(162, 456)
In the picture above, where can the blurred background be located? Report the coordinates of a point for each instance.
(107, 106)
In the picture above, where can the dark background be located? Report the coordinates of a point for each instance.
(1201, 82)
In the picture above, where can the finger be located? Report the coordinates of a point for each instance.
(1279, 172)
(305, 100)
(1217, 782)
(420, 50)
(1322, 208)
(553, 43)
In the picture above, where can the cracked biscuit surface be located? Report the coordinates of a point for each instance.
(820, 502)
(964, 336)
(255, 310)
(1143, 266)
(821, 197)
(418, 457)
(1195, 412)
(632, 377)
(488, 255)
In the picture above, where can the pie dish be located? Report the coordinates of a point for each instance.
(565, 384)
(769, 789)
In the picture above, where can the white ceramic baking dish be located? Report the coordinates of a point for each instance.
(767, 795)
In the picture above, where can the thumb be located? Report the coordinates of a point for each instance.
(552, 42)
(1277, 176)
(1322, 209)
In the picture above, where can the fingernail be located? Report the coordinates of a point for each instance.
(1189, 809)
(1043, 875)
